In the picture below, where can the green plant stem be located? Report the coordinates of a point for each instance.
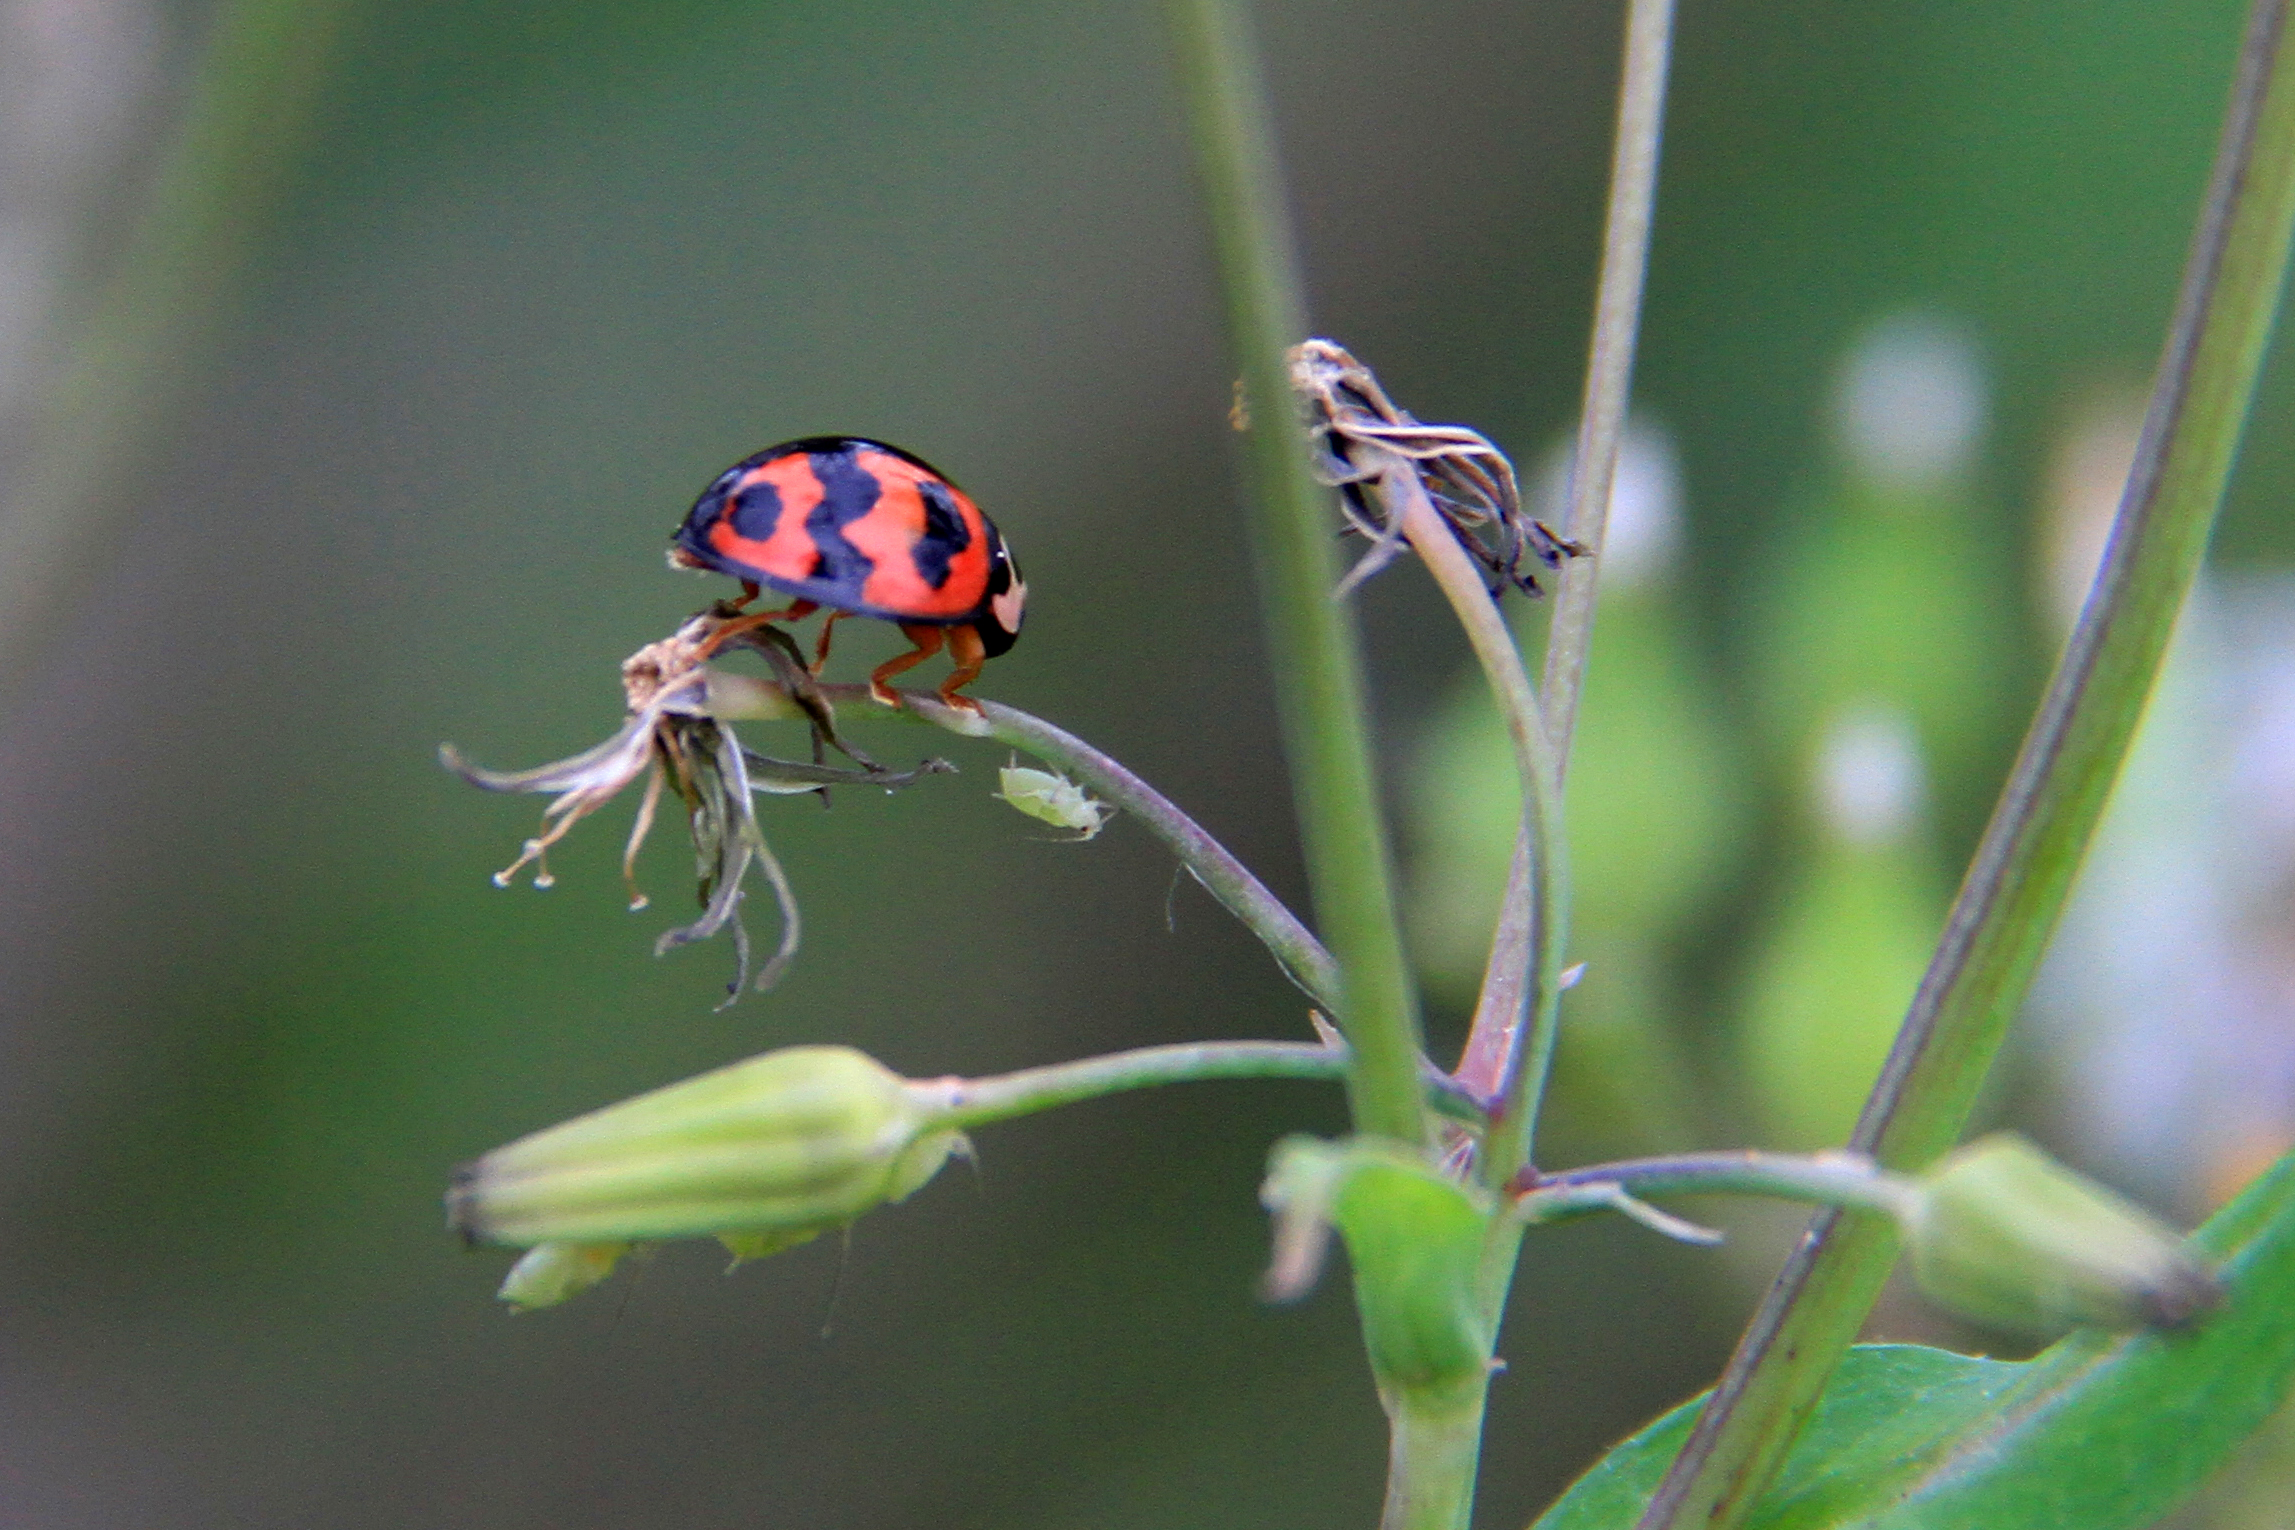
(1505, 1062)
(979, 1102)
(245, 123)
(1609, 358)
(1311, 638)
(1432, 1454)
(737, 697)
(1430, 1479)
(1593, 467)
(2023, 868)
(1830, 1179)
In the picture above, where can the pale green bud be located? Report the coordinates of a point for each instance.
(763, 1154)
(2005, 1234)
(548, 1273)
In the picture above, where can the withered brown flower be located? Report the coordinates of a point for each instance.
(1469, 480)
(669, 738)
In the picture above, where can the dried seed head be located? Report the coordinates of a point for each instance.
(1470, 481)
(670, 739)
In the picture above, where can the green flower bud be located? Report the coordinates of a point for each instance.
(2005, 1234)
(551, 1272)
(764, 1154)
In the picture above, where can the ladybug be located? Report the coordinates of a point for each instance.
(864, 529)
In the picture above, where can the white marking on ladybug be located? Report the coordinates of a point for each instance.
(1007, 607)
(1055, 799)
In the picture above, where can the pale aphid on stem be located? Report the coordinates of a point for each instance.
(1053, 798)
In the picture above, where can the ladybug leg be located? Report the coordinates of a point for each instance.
(927, 639)
(797, 610)
(968, 653)
(821, 646)
(794, 611)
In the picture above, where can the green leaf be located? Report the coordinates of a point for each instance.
(1419, 1243)
(2096, 1432)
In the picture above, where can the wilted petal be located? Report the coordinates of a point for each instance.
(584, 783)
(788, 777)
(610, 765)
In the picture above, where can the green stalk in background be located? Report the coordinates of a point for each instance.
(241, 131)
(1510, 1047)
(1311, 637)
(1609, 358)
(2023, 868)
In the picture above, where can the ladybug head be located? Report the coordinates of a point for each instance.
(1000, 614)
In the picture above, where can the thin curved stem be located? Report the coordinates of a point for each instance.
(1210, 862)
(1830, 1179)
(735, 697)
(1506, 1062)
(1593, 468)
(1609, 358)
(979, 1102)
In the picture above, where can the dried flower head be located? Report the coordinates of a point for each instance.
(1469, 480)
(670, 739)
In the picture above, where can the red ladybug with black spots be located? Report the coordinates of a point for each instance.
(863, 529)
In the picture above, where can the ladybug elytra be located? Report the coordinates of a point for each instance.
(862, 529)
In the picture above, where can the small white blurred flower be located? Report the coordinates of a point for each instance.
(1909, 402)
(1643, 533)
(1870, 785)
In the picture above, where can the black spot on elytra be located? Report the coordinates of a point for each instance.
(757, 510)
(848, 492)
(945, 534)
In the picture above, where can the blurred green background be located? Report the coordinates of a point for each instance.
(538, 272)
